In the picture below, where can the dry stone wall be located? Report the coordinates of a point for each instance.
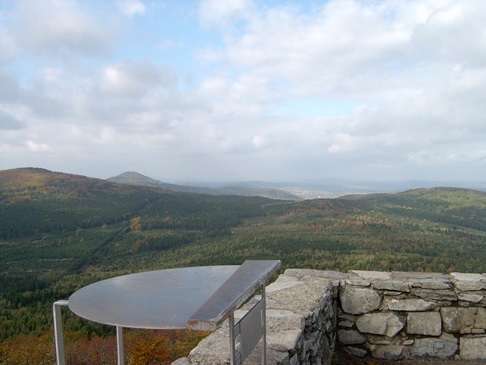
(413, 315)
(398, 315)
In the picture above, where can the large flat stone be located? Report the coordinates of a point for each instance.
(391, 293)
(393, 285)
(284, 282)
(470, 285)
(273, 357)
(283, 320)
(283, 340)
(432, 284)
(472, 298)
(346, 320)
(355, 351)
(463, 320)
(461, 276)
(389, 352)
(357, 282)
(298, 295)
(387, 324)
(212, 350)
(469, 282)
(436, 294)
(403, 275)
(359, 300)
(329, 274)
(439, 348)
(473, 348)
(371, 275)
(410, 305)
(424, 323)
(350, 337)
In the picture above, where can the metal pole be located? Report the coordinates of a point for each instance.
(57, 316)
(119, 345)
(231, 325)
(264, 325)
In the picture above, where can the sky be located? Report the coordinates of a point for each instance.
(240, 90)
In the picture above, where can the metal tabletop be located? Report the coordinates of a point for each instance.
(163, 299)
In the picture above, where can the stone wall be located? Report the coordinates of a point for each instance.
(397, 315)
(413, 315)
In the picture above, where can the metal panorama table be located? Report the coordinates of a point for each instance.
(198, 298)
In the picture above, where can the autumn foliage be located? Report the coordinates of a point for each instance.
(141, 348)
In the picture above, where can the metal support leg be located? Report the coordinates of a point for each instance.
(248, 332)
(264, 326)
(119, 345)
(231, 325)
(56, 314)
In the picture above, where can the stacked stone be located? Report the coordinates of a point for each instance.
(313, 297)
(413, 315)
(364, 313)
(301, 324)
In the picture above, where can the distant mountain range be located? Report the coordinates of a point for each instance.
(326, 188)
(134, 178)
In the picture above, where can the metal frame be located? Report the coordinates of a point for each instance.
(248, 331)
(59, 341)
(244, 335)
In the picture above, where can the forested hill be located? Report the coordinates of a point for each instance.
(37, 201)
(454, 206)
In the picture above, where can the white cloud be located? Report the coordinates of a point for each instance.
(222, 12)
(135, 79)
(8, 120)
(412, 75)
(7, 46)
(131, 7)
(9, 88)
(37, 147)
(453, 34)
(306, 49)
(259, 141)
(58, 29)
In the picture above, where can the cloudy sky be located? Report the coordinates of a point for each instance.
(245, 90)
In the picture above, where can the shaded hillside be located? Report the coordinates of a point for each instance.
(134, 178)
(37, 201)
(34, 201)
